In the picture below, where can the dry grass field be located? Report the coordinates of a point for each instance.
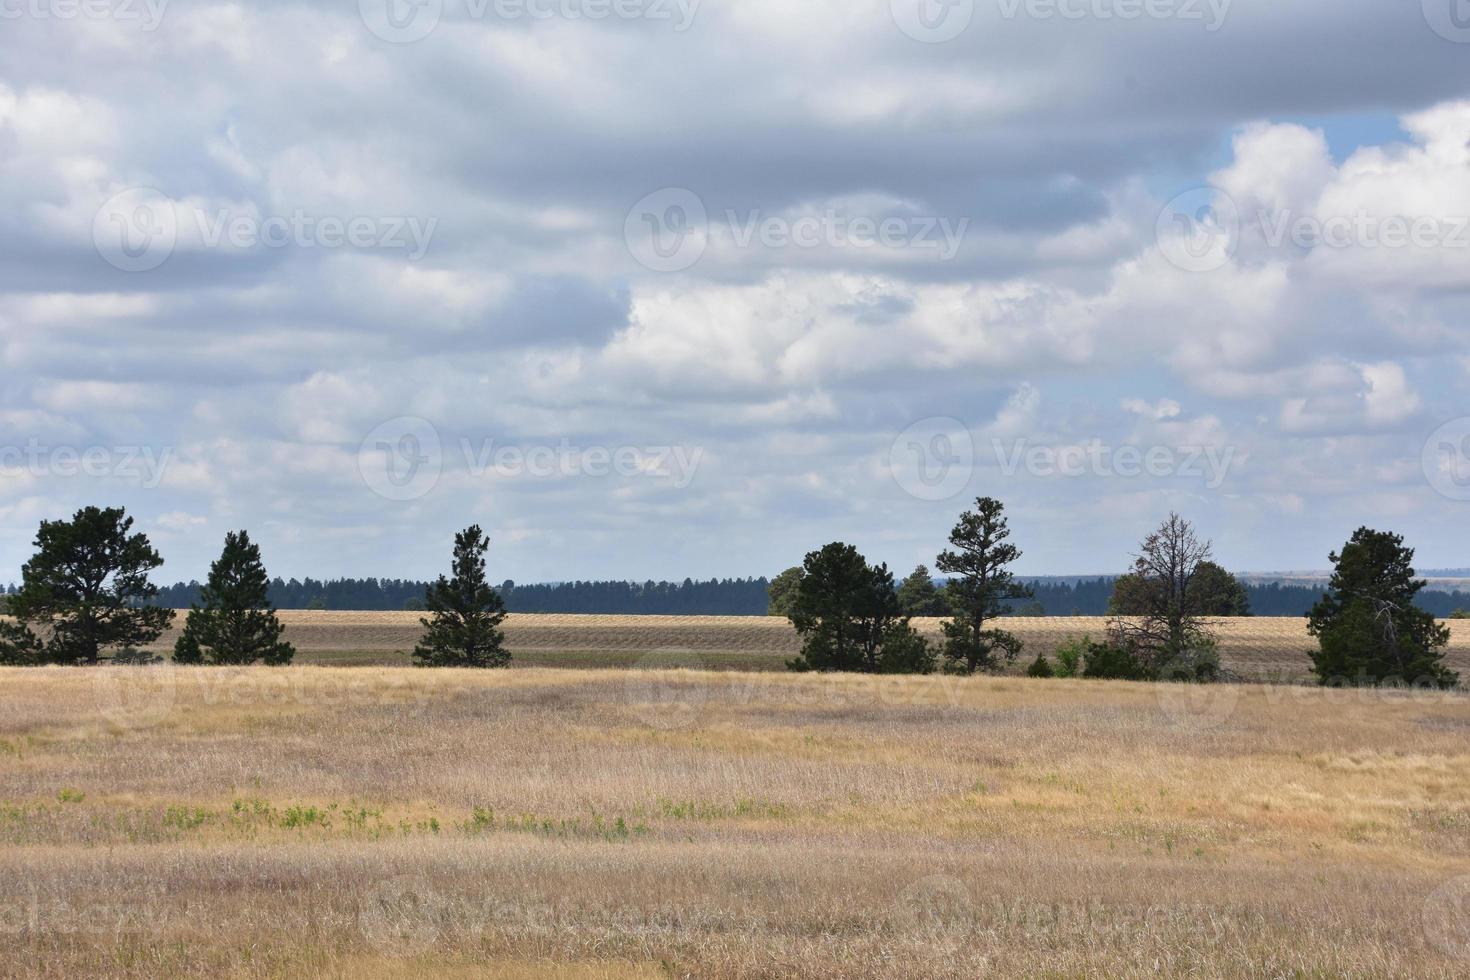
(383, 822)
(1262, 647)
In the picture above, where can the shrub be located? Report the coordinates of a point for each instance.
(1109, 661)
(906, 651)
(1040, 667)
(1198, 665)
(1070, 655)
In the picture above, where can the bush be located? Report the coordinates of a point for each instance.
(906, 651)
(1040, 667)
(133, 657)
(1108, 661)
(1198, 665)
(1070, 655)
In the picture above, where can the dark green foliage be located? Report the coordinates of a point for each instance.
(981, 588)
(1071, 656)
(465, 613)
(1460, 614)
(848, 615)
(906, 651)
(919, 596)
(783, 592)
(87, 588)
(1213, 592)
(1040, 667)
(1368, 629)
(19, 647)
(1108, 661)
(234, 622)
(131, 657)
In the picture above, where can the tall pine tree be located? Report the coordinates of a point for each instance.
(465, 612)
(234, 621)
(1368, 628)
(980, 589)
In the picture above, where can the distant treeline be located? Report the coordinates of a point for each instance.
(723, 597)
(717, 597)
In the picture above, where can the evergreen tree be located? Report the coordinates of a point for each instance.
(87, 587)
(782, 591)
(462, 629)
(849, 619)
(919, 596)
(981, 589)
(234, 621)
(1368, 629)
(19, 647)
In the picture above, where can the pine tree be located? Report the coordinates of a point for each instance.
(919, 596)
(465, 612)
(1368, 629)
(87, 587)
(234, 621)
(981, 589)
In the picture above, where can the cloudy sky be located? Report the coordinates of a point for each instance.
(655, 288)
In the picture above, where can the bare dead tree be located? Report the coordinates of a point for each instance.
(1170, 626)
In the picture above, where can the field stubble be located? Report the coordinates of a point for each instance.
(1274, 648)
(384, 822)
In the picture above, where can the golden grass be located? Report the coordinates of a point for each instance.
(379, 822)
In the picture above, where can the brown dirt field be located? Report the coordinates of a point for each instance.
(1260, 647)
